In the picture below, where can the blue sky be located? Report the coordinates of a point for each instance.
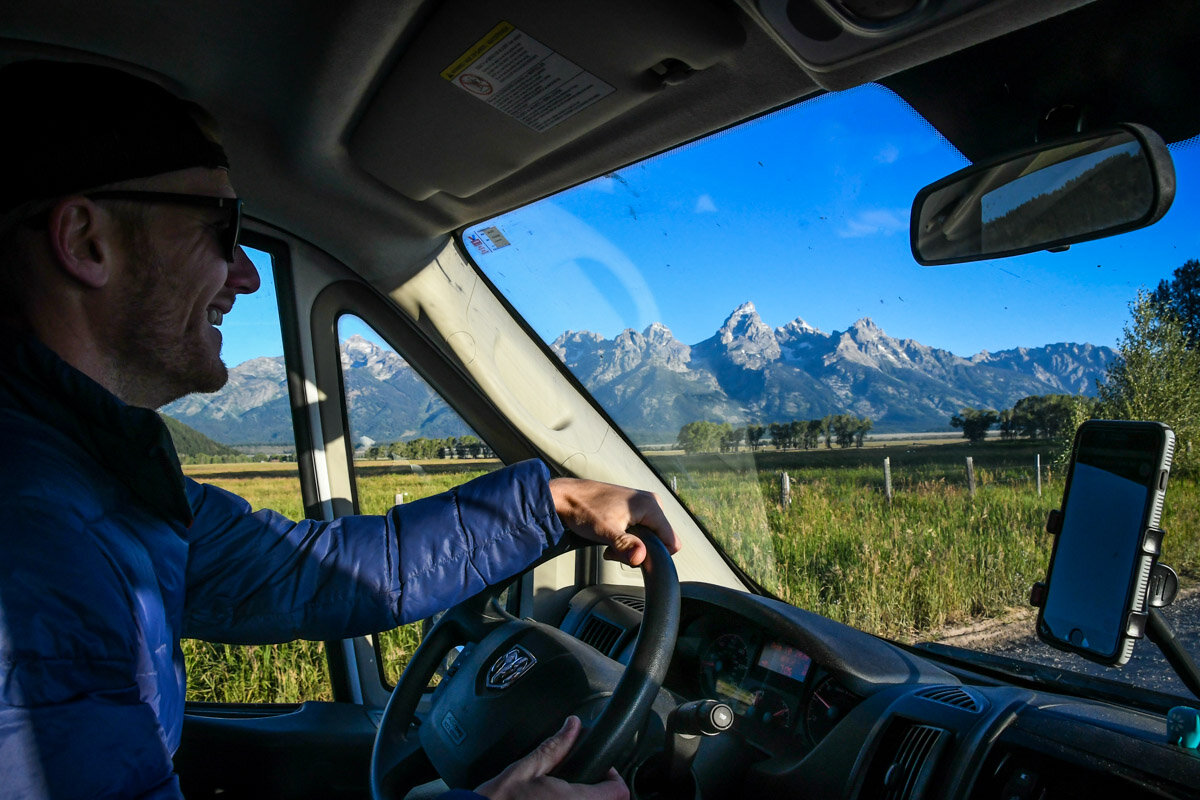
(252, 328)
(804, 213)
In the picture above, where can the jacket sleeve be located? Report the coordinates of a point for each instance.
(260, 578)
(73, 721)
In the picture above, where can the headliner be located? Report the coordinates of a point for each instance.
(342, 131)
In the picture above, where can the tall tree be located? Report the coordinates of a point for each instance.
(754, 435)
(975, 422)
(780, 434)
(812, 433)
(796, 434)
(1156, 376)
(703, 436)
(1180, 296)
(1049, 416)
(1008, 425)
(844, 426)
(732, 438)
(860, 431)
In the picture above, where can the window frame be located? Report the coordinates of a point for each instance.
(439, 371)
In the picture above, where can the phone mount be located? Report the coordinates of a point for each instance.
(1160, 588)
(1158, 584)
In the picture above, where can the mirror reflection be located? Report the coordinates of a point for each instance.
(1050, 197)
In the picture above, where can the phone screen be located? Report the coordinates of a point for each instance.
(1106, 510)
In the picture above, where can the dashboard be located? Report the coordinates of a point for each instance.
(824, 710)
(779, 697)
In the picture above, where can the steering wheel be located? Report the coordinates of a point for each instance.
(513, 684)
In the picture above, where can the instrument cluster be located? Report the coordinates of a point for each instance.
(775, 689)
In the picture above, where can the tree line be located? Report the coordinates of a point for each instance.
(1044, 416)
(1155, 377)
(844, 430)
(422, 448)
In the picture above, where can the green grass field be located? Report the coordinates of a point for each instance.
(933, 557)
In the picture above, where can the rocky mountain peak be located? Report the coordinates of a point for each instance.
(656, 345)
(657, 332)
(866, 328)
(865, 343)
(797, 328)
(357, 347)
(744, 320)
(746, 340)
(360, 353)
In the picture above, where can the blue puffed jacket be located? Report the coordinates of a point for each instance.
(109, 555)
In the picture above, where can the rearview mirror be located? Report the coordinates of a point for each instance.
(1046, 197)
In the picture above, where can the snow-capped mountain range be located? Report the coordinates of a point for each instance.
(652, 384)
(750, 372)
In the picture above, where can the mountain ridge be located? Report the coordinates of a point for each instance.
(652, 384)
(756, 373)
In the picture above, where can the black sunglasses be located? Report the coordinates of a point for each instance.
(228, 236)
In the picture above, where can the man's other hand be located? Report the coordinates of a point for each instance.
(527, 779)
(604, 513)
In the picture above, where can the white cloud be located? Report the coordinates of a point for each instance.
(878, 222)
(888, 154)
(705, 204)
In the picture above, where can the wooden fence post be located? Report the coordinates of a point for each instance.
(971, 476)
(1038, 469)
(785, 489)
(400, 498)
(674, 485)
(887, 478)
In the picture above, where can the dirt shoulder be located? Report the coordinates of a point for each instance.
(1013, 625)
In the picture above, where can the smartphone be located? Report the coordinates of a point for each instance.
(1108, 539)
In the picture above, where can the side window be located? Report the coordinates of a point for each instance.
(241, 439)
(408, 444)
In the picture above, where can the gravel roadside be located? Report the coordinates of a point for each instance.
(1012, 635)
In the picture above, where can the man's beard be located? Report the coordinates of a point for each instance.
(156, 361)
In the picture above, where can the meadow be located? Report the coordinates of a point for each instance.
(932, 557)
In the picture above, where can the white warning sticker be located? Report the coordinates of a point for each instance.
(517, 74)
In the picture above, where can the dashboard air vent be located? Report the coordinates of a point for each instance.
(638, 604)
(904, 767)
(601, 634)
(951, 696)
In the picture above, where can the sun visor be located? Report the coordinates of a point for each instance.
(489, 88)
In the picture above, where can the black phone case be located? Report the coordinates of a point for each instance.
(1149, 544)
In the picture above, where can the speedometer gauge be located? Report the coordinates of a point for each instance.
(828, 703)
(771, 710)
(724, 664)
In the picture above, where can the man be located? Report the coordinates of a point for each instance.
(118, 263)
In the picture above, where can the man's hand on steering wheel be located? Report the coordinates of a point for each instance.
(529, 778)
(485, 717)
(604, 513)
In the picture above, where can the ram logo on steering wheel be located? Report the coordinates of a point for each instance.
(509, 667)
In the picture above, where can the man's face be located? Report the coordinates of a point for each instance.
(176, 289)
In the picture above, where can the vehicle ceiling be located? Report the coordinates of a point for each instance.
(343, 131)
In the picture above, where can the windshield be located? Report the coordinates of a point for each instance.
(865, 437)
